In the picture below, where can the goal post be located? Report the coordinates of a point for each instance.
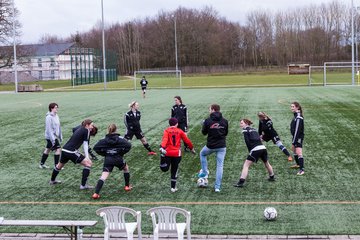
(159, 79)
(316, 75)
(331, 73)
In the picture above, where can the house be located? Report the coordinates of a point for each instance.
(52, 62)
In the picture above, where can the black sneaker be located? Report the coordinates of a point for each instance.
(239, 184)
(271, 178)
(54, 182)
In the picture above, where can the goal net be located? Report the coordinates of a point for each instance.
(159, 79)
(332, 73)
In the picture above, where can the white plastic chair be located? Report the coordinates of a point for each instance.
(114, 219)
(164, 221)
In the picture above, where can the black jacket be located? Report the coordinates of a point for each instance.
(297, 127)
(216, 127)
(180, 113)
(252, 138)
(132, 121)
(112, 146)
(267, 130)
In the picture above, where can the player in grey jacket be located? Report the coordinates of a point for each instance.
(53, 135)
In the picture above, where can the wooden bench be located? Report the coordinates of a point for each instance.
(71, 226)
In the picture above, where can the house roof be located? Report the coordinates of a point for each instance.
(46, 49)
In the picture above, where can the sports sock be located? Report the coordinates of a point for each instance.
(54, 173)
(56, 159)
(127, 178)
(43, 158)
(85, 175)
(173, 183)
(99, 185)
(301, 163)
(285, 151)
(296, 157)
(147, 146)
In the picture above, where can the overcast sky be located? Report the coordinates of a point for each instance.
(65, 17)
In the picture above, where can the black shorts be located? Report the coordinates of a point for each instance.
(74, 156)
(255, 155)
(298, 143)
(274, 139)
(143, 89)
(138, 134)
(110, 163)
(50, 146)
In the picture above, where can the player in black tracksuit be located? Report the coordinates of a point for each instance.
(297, 132)
(179, 111)
(256, 150)
(143, 83)
(113, 147)
(267, 133)
(70, 152)
(132, 123)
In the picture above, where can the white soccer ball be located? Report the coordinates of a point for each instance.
(270, 213)
(202, 182)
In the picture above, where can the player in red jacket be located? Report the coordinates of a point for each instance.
(171, 150)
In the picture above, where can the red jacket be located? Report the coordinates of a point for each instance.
(171, 141)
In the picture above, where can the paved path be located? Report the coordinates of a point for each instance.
(46, 236)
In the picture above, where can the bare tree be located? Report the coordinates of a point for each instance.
(6, 31)
(47, 38)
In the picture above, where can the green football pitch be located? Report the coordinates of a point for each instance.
(326, 200)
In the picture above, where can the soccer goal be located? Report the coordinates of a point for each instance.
(159, 79)
(332, 73)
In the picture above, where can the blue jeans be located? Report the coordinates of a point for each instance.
(220, 156)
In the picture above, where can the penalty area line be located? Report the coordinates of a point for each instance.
(185, 203)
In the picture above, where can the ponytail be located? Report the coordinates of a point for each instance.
(112, 128)
(298, 106)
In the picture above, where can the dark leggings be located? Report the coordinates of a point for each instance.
(173, 162)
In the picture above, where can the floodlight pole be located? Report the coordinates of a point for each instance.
(14, 39)
(103, 43)
(352, 44)
(176, 52)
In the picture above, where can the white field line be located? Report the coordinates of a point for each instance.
(185, 203)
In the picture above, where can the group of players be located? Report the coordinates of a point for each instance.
(113, 146)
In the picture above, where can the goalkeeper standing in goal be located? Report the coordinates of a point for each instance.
(267, 132)
(170, 149)
(179, 111)
(143, 83)
(132, 123)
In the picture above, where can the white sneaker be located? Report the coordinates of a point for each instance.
(54, 182)
(217, 190)
(43, 166)
(86, 187)
(174, 190)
